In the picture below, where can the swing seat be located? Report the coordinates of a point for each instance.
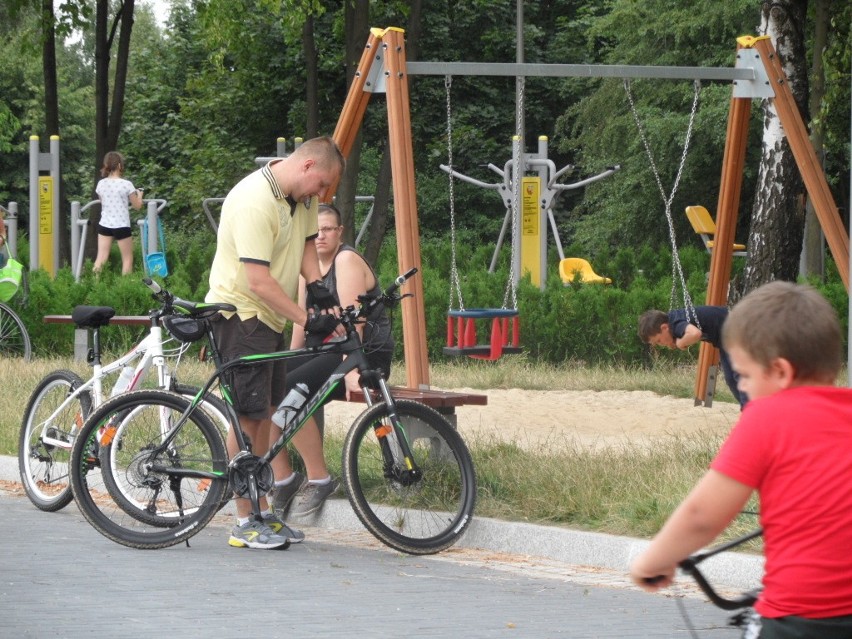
(571, 266)
(705, 227)
(461, 333)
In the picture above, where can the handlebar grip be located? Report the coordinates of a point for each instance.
(155, 288)
(399, 281)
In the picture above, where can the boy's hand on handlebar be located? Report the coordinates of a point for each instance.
(648, 581)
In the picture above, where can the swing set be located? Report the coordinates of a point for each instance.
(757, 74)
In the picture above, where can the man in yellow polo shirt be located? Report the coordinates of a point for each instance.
(265, 241)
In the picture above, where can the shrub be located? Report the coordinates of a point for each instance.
(589, 323)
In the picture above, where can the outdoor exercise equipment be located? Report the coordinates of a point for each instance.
(10, 218)
(152, 244)
(383, 69)
(44, 205)
(537, 200)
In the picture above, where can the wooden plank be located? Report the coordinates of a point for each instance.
(432, 398)
(121, 320)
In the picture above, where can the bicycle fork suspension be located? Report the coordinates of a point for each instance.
(399, 463)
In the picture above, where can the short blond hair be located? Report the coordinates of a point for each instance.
(791, 321)
(324, 150)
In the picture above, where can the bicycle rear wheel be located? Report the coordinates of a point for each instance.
(44, 446)
(185, 481)
(14, 338)
(414, 515)
(121, 480)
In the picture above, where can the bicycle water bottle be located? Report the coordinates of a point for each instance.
(290, 405)
(123, 381)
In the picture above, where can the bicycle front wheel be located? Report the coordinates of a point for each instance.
(417, 514)
(14, 338)
(183, 481)
(48, 429)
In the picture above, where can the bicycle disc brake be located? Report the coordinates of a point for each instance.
(245, 465)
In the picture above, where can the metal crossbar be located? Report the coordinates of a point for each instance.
(578, 70)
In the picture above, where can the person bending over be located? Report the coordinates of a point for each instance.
(678, 329)
(265, 241)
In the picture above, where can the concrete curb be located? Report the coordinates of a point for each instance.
(727, 570)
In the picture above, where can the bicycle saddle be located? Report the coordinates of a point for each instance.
(92, 316)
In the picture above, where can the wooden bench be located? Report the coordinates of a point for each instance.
(81, 335)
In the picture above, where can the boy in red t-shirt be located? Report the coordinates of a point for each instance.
(792, 444)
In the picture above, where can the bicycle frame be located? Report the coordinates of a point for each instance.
(350, 346)
(149, 351)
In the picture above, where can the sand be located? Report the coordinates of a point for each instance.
(589, 418)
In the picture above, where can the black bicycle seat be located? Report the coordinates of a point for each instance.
(92, 316)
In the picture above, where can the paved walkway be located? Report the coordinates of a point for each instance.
(60, 578)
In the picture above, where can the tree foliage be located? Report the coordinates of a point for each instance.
(214, 87)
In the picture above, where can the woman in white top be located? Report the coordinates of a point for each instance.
(115, 193)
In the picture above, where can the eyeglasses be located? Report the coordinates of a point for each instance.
(327, 229)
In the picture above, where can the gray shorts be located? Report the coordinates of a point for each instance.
(257, 387)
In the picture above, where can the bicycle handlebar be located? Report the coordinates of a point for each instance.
(690, 566)
(170, 301)
(388, 297)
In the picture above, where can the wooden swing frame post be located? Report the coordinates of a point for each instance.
(731, 186)
(386, 50)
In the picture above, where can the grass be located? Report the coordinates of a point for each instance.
(625, 490)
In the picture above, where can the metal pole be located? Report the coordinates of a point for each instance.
(54, 173)
(153, 228)
(75, 238)
(542, 214)
(519, 81)
(34, 151)
(12, 228)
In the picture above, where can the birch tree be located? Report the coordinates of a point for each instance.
(777, 220)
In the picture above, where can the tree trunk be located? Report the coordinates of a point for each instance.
(309, 48)
(379, 221)
(357, 20)
(51, 114)
(813, 250)
(777, 223)
(108, 121)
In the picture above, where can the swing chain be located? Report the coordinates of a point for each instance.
(511, 286)
(455, 285)
(677, 267)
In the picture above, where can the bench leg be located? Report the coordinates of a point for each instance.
(81, 344)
